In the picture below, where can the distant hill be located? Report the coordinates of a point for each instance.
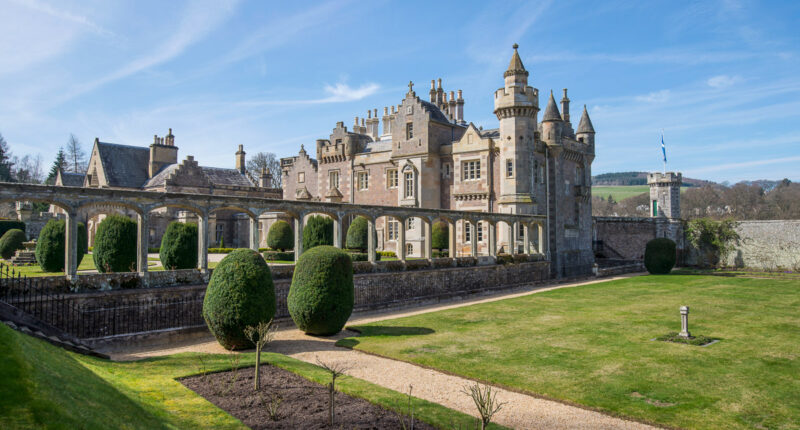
(637, 178)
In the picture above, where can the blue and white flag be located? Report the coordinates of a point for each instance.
(663, 148)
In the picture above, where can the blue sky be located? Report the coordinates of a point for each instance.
(722, 78)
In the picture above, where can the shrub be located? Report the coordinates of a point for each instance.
(220, 250)
(51, 242)
(115, 245)
(505, 259)
(440, 235)
(179, 246)
(8, 224)
(387, 254)
(362, 256)
(318, 231)
(149, 250)
(10, 242)
(659, 256)
(321, 294)
(281, 236)
(441, 254)
(278, 256)
(714, 240)
(357, 234)
(240, 293)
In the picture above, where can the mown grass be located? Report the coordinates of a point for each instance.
(47, 387)
(622, 192)
(592, 345)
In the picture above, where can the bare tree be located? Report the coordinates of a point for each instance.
(265, 160)
(76, 157)
(485, 401)
(260, 336)
(27, 169)
(336, 370)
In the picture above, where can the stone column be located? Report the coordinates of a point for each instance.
(337, 231)
(684, 322)
(540, 229)
(473, 238)
(202, 242)
(71, 247)
(427, 243)
(513, 239)
(371, 240)
(298, 236)
(141, 243)
(254, 236)
(526, 238)
(401, 241)
(451, 239)
(492, 239)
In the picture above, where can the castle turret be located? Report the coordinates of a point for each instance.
(551, 122)
(585, 131)
(163, 152)
(241, 166)
(665, 194)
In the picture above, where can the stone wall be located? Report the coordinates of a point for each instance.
(626, 237)
(768, 245)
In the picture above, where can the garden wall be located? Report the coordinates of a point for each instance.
(768, 245)
(626, 237)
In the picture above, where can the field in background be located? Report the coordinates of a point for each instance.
(619, 192)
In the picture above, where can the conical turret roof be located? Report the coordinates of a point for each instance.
(551, 111)
(515, 66)
(585, 126)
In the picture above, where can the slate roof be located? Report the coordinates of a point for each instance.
(72, 179)
(515, 66)
(220, 176)
(551, 112)
(436, 113)
(125, 166)
(379, 146)
(585, 126)
(493, 133)
(161, 177)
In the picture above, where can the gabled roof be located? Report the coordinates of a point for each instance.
(551, 112)
(125, 166)
(436, 113)
(494, 133)
(221, 176)
(161, 177)
(69, 179)
(585, 126)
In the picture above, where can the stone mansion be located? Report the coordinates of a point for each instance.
(423, 153)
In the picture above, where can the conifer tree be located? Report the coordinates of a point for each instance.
(60, 163)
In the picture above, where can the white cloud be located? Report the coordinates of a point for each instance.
(723, 81)
(654, 97)
(65, 15)
(732, 166)
(344, 93)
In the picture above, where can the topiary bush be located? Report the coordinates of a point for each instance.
(179, 246)
(357, 255)
(659, 256)
(51, 242)
(281, 236)
(321, 294)
(440, 235)
(10, 242)
(115, 245)
(357, 234)
(278, 256)
(240, 293)
(318, 231)
(8, 224)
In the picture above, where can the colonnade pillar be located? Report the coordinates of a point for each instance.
(473, 238)
(427, 242)
(298, 236)
(492, 239)
(513, 238)
(337, 231)
(401, 241)
(451, 239)
(254, 236)
(141, 243)
(540, 228)
(370, 240)
(71, 247)
(202, 242)
(526, 239)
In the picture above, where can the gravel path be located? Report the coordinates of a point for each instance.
(521, 411)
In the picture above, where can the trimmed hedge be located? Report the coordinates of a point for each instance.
(10, 242)
(318, 231)
(240, 293)
(660, 256)
(50, 245)
(440, 235)
(321, 295)
(387, 254)
(281, 236)
(115, 245)
(357, 234)
(8, 224)
(220, 250)
(356, 255)
(278, 256)
(179, 246)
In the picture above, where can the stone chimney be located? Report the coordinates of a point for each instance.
(565, 107)
(433, 91)
(460, 108)
(265, 181)
(241, 164)
(163, 152)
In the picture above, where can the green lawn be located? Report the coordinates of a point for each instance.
(592, 345)
(47, 387)
(621, 192)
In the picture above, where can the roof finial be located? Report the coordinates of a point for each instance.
(410, 86)
(515, 46)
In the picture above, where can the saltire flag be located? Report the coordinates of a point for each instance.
(663, 148)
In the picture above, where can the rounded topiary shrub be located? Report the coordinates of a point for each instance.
(659, 256)
(179, 246)
(11, 242)
(278, 256)
(115, 245)
(321, 295)
(440, 235)
(8, 224)
(318, 231)
(280, 236)
(239, 294)
(357, 234)
(51, 242)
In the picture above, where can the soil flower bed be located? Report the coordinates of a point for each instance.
(289, 401)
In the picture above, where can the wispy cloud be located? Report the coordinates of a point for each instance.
(65, 15)
(654, 97)
(723, 81)
(745, 164)
(338, 93)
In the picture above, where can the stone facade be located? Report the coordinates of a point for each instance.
(626, 237)
(665, 194)
(428, 156)
(767, 245)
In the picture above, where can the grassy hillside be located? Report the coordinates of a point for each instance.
(619, 192)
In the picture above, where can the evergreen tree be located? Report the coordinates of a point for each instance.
(60, 163)
(5, 161)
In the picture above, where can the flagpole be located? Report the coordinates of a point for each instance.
(664, 151)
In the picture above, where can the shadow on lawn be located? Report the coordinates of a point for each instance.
(372, 330)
